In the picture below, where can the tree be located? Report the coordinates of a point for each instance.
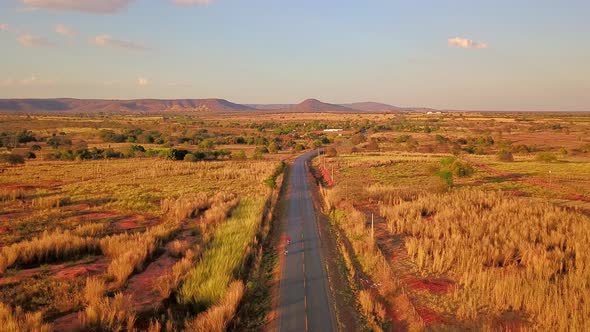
(298, 147)
(273, 147)
(12, 159)
(190, 157)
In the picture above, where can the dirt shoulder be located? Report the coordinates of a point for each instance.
(347, 317)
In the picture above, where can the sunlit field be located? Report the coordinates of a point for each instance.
(84, 239)
(450, 231)
(479, 221)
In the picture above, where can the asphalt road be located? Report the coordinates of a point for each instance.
(304, 303)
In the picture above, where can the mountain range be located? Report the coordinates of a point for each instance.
(155, 106)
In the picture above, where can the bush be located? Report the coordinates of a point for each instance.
(12, 159)
(504, 155)
(331, 152)
(403, 139)
(241, 155)
(261, 150)
(546, 157)
(446, 176)
(298, 147)
(273, 147)
(190, 157)
(31, 155)
(35, 147)
(461, 169)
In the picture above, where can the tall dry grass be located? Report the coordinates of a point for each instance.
(108, 314)
(177, 210)
(94, 290)
(50, 202)
(508, 254)
(216, 318)
(46, 248)
(18, 321)
(12, 194)
(352, 223)
(170, 281)
(130, 251)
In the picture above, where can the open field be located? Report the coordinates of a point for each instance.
(480, 219)
(470, 230)
(75, 231)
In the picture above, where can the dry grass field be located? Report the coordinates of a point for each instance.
(83, 238)
(463, 240)
(110, 222)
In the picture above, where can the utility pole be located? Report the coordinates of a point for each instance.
(333, 181)
(372, 228)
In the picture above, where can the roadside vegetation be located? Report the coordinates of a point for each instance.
(109, 222)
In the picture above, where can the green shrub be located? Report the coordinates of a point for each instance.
(461, 169)
(299, 147)
(12, 159)
(241, 155)
(546, 157)
(505, 155)
(190, 157)
(446, 176)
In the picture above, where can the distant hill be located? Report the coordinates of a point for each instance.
(316, 106)
(372, 107)
(119, 106)
(155, 106)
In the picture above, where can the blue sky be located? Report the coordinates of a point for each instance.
(489, 55)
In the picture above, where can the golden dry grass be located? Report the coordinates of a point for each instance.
(215, 319)
(46, 248)
(18, 321)
(108, 314)
(508, 254)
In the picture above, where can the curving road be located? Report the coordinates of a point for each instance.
(304, 300)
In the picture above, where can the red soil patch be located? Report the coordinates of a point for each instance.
(89, 269)
(15, 215)
(135, 222)
(326, 176)
(93, 216)
(69, 322)
(4, 230)
(77, 207)
(143, 286)
(60, 271)
(18, 186)
(435, 286)
(429, 317)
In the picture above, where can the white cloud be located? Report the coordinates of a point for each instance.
(64, 30)
(32, 41)
(33, 80)
(90, 6)
(142, 81)
(108, 41)
(192, 2)
(465, 43)
(96, 6)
